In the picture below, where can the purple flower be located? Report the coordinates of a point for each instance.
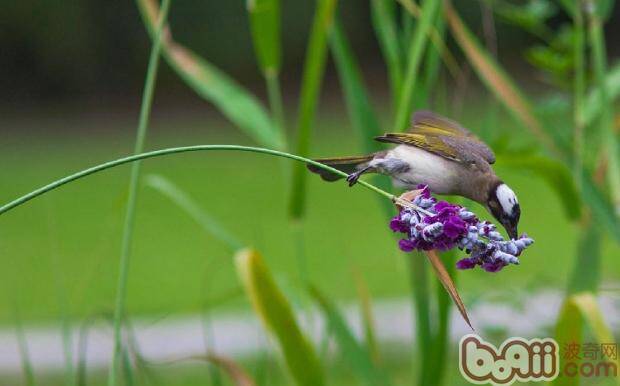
(466, 263)
(495, 266)
(397, 225)
(441, 225)
(406, 245)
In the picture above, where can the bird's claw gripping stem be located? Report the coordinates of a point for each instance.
(353, 177)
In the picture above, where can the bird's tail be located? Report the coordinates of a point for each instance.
(345, 164)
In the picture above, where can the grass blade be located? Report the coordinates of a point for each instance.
(441, 339)
(586, 272)
(568, 330)
(145, 111)
(594, 101)
(314, 67)
(437, 38)
(421, 302)
(236, 103)
(265, 28)
(555, 173)
(358, 359)
(599, 59)
(414, 58)
(189, 206)
(278, 318)
(360, 110)
(363, 295)
(22, 344)
(444, 278)
(497, 80)
(602, 209)
(384, 23)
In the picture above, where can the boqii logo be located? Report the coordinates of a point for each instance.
(517, 359)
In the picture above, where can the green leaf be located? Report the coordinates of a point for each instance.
(358, 359)
(22, 345)
(414, 59)
(606, 121)
(555, 173)
(594, 101)
(236, 103)
(277, 316)
(530, 16)
(363, 295)
(602, 209)
(586, 272)
(314, 67)
(384, 23)
(265, 27)
(356, 97)
(579, 310)
(189, 206)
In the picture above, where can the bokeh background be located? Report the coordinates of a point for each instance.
(71, 78)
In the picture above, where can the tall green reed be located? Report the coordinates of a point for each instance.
(314, 66)
(22, 344)
(265, 27)
(145, 110)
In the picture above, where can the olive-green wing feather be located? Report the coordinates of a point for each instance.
(467, 145)
(430, 143)
(427, 122)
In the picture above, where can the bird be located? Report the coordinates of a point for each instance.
(440, 153)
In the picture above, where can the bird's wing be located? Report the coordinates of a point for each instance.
(430, 143)
(467, 144)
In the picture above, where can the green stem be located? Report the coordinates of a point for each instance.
(579, 92)
(421, 296)
(599, 58)
(174, 150)
(145, 110)
(22, 344)
(415, 51)
(275, 103)
(314, 67)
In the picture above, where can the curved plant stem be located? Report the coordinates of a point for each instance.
(145, 110)
(174, 150)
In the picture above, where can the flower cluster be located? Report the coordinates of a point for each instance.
(443, 226)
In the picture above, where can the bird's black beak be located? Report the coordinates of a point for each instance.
(511, 229)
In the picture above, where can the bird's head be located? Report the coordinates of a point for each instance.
(503, 205)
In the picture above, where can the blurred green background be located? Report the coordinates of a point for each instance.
(71, 79)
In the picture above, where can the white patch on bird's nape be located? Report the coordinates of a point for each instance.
(506, 197)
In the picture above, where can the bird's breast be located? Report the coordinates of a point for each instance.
(440, 174)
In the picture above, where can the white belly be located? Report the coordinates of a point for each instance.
(440, 174)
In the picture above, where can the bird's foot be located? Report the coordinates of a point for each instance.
(353, 177)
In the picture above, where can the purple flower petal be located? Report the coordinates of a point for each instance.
(397, 225)
(466, 263)
(495, 266)
(406, 245)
